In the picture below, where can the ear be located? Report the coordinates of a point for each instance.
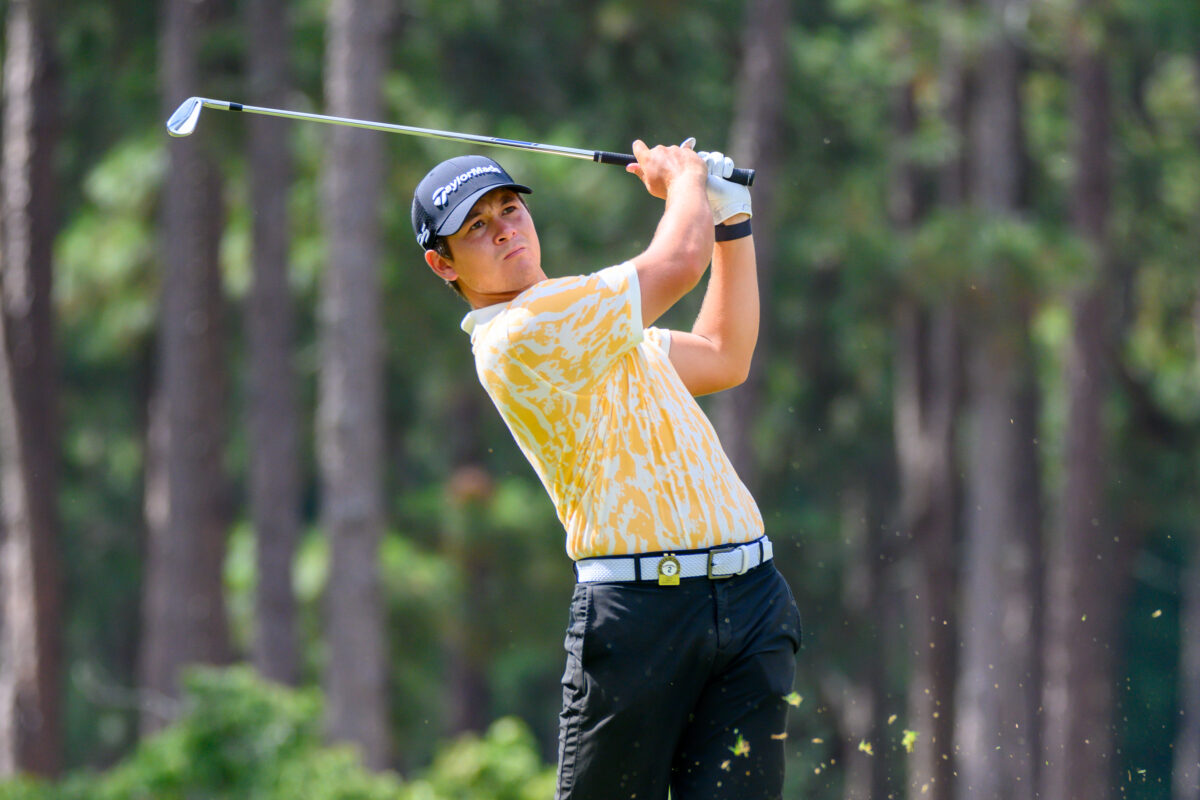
(440, 266)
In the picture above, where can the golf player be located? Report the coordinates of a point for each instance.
(682, 635)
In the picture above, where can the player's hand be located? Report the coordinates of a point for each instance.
(661, 166)
(725, 198)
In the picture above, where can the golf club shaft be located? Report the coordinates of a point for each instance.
(183, 121)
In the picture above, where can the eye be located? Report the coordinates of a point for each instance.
(476, 225)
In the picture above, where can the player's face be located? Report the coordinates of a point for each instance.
(495, 255)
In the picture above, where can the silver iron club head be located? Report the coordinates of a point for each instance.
(184, 120)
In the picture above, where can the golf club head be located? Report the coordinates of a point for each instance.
(184, 120)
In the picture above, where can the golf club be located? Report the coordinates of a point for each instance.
(183, 123)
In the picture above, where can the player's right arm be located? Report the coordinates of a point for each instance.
(677, 256)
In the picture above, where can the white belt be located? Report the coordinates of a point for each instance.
(716, 563)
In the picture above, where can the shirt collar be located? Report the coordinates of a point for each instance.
(481, 316)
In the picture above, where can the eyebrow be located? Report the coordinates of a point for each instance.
(504, 198)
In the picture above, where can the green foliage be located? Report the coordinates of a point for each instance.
(241, 738)
(238, 737)
(501, 765)
(27, 789)
(106, 283)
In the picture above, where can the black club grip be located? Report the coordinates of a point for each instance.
(742, 176)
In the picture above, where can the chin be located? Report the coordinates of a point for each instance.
(525, 267)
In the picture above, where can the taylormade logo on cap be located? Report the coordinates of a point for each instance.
(442, 196)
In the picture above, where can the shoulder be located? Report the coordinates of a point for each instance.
(614, 280)
(575, 300)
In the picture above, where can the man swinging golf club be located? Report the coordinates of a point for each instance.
(682, 636)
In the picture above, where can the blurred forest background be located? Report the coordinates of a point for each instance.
(240, 427)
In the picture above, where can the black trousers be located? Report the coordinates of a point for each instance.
(680, 687)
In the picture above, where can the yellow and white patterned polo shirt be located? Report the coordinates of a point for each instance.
(627, 456)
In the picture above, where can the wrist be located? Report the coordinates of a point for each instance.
(736, 227)
(686, 182)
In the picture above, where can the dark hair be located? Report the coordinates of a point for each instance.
(441, 246)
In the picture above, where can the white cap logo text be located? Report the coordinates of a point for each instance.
(442, 196)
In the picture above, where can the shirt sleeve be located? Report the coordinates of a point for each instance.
(660, 338)
(571, 331)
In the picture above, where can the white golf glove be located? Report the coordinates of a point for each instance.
(726, 198)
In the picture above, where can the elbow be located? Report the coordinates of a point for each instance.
(694, 252)
(715, 373)
(718, 383)
(693, 263)
(736, 375)
(733, 373)
(684, 264)
(740, 376)
(686, 271)
(741, 365)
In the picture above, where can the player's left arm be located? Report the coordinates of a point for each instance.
(716, 354)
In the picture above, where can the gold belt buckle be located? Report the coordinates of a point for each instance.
(668, 570)
(722, 551)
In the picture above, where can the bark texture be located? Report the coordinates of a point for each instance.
(187, 504)
(1185, 782)
(926, 405)
(274, 416)
(999, 674)
(755, 141)
(31, 622)
(350, 407)
(1088, 568)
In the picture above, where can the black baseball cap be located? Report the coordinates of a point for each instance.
(446, 194)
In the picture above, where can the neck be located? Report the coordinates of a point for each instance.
(485, 299)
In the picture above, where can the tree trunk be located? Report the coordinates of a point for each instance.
(999, 679)
(1088, 574)
(1186, 773)
(468, 643)
(350, 408)
(274, 424)
(31, 620)
(756, 140)
(860, 702)
(186, 505)
(997, 701)
(1185, 780)
(926, 403)
(466, 543)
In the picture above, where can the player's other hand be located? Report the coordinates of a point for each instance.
(725, 198)
(661, 166)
